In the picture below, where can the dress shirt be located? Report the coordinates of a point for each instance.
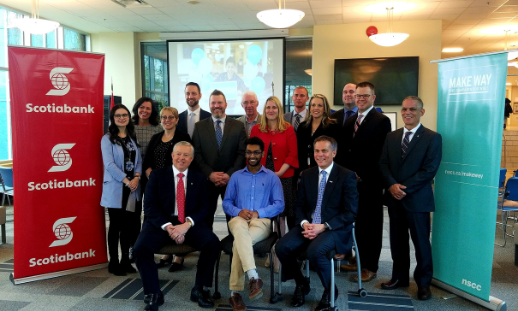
(249, 125)
(176, 179)
(222, 123)
(302, 116)
(196, 112)
(411, 135)
(260, 192)
(365, 113)
(354, 110)
(320, 175)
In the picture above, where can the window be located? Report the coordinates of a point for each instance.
(298, 61)
(155, 81)
(73, 40)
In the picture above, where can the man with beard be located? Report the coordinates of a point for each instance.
(193, 113)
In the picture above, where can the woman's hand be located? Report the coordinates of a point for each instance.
(148, 172)
(133, 184)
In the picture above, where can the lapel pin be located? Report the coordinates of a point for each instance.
(331, 181)
(191, 184)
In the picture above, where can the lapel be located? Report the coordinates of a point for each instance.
(413, 142)
(170, 188)
(211, 133)
(313, 186)
(191, 194)
(365, 120)
(120, 154)
(226, 131)
(330, 185)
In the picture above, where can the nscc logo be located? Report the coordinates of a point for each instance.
(61, 157)
(59, 81)
(62, 231)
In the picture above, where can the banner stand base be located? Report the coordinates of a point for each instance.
(493, 304)
(56, 274)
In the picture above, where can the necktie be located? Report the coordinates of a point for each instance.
(357, 124)
(219, 133)
(347, 115)
(404, 144)
(297, 121)
(317, 219)
(180, 198)
(190, 125)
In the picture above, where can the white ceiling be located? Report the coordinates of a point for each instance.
(463, 20)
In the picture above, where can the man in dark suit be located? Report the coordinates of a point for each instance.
(300, 98)
(363, 139)
(219, 144)
(325, 210)
(349, 101)
(409, 162)
(193, 113)
(175, 206)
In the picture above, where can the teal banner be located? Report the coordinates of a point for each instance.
(470, 118)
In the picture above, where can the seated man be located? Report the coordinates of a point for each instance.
(175, 206)
(326, 206)
(254, 195)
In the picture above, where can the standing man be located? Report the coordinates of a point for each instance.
(254, 195)
(251, 117)
(326, 208)
(300, 98)
(349, 100)
(175, 206)
(219, 144)
(364, 136)
(193, 113)
(409, 162)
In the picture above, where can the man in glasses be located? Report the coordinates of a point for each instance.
(249, 102)
(193, 113)
(254, 195)
(364, 136)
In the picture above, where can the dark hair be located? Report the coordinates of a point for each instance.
(230, 60)
(255, 141)
(331, 140)
(217, 93)
(420, 104)
(113, 129)
(153, 119)
(195, 84)
(366, 84)
(507, 100)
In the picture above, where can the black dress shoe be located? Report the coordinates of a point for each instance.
(175, 267)
(393, 284)
(126, 266)
(154, 301)
(164, 262)
(301, 291)
(202, 298)
(115, 268)
(424, 293)
(324, 303)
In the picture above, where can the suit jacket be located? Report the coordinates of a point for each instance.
(160, 198)
(362, 152)
(288, 117)
(339, 204)
(149, 159)
(305, 141)
(230, 157)
(183, 119)
(339, 116)
(243, 118)
(415, 170)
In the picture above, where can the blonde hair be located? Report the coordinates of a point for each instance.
(171, 110)
(281, 124)
(326, 116)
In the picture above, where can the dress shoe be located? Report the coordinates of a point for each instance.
(324, 303)
(366, 275)
(301, 290)
(393, 284)
(256, 288)
(115, 268)
(350, 268)
(424, 293)
(176, 266)
(236, 301)
(164, 262)
(154, 301)
(202, 297)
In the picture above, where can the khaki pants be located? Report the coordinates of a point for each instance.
(246, 233)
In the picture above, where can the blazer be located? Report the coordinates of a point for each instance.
(284, 148)
(113, 160)
(362, 152)
(305, 142)
(209, 157)
(339, 204)
(415, 170)
(183, 119)
(160, 198)
(243, 118)
(339, 116)
(149, 159)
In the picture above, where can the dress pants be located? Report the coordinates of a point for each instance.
(151, 239)
(401, 222)
(246, 233)
(369, 225)
(214, 193)
(119, 231)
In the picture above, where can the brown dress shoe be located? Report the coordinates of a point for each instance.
(424, 293)
(367, 276)
(255, 288)
(236, 301)
(350, 268)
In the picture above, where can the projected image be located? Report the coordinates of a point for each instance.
(232, 67)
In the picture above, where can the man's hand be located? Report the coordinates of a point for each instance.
(397, 191)
(148, 172)
(311, 231)
(224, 179)
(255, 214)
(246, 214)
(177, 233)
(218, 178)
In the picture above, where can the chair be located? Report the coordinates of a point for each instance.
(503, 172)
(263, 247)
(3, 220)
(175, 249)
(6, 178)
(508, 204)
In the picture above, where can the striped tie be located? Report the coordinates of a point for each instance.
(297, 122)
(357, 124)
(404, 144)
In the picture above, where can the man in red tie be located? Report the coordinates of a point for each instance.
(175, 206)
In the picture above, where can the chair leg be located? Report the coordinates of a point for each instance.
(332, 285)
(272, 278)
(217, 294)
(3, 234)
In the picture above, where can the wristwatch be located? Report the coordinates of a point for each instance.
(327, 226)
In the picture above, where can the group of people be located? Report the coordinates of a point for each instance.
(318, 171)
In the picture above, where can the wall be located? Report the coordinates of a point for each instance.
(332, 42)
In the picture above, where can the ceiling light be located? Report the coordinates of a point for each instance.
(452, 50)
(34, 24)
(381, 8)
(500, 30)
(280, 18)
(389, 38)
(309, 71)
(508, 83)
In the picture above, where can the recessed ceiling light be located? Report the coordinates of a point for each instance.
(381, 8)
(452, 50)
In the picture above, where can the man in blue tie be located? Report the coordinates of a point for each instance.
(325, 210)
(349, 101)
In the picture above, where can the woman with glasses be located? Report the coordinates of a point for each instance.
(158, 155)
(317, 122)
(122, 170)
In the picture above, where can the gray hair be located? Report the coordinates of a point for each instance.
(331, 140)
(251, 93)
(184, 143)
(420, 104)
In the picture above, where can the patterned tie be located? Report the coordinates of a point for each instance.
(297, 121)
(317, 219)
(348, 114)
(219, 133)
(357, 124)
(190, 125)
(404, 144)
(180, 199)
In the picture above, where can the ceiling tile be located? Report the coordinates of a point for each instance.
(459, 27)
(484, 3)
(327, 11)
(227, 27)
(326, 3)
(145, 11)
(329, 22)
(202, 28)
(455, 4)
(328, 17)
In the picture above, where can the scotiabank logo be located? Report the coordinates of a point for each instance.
(62, 231)
(59, 81)
(61, 157)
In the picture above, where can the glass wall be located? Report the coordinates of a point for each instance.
(155, 83)
(299, 55)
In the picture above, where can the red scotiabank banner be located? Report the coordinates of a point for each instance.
(57, 125)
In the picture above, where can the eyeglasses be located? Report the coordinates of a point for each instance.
(121, 116)
(167, 117)
(362, 95)
(256, 153)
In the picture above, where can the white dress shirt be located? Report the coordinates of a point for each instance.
(196, 114)
(411, 135)
(176, 179)
(320, 176)
(364, 114)
(222, 123)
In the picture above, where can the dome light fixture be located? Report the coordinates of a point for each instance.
(280, 18)
(35, 25)
(389, 38)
